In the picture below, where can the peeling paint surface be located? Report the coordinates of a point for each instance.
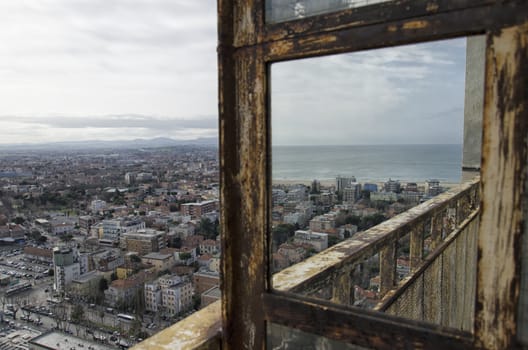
(201, 330)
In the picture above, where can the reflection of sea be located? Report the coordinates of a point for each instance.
(368, 163)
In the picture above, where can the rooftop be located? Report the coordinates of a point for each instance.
(59, 340)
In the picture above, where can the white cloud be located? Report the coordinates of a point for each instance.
(79, 58)
(408, 94)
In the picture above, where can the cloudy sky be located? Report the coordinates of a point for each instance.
(404, 95)
(125, 69)
(107, 69)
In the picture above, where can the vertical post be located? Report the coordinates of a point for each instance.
(436, 229)
(342, 292)
(387, 267)
(417, 246)
(504, 192)
(473, 105)
(243, 174)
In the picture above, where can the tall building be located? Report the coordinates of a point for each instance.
(344, 182)
(66, 268)
(392, 186)
(432, 188)
(352, 193)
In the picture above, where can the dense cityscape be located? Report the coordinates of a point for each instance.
(114, 245)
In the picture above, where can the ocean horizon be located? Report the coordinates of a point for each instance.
(376, 163)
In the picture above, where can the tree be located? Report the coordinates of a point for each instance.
(281, 233)
(77, 314)
(103, 285)
(207, 228)
(332, 240)
(19, 220)
(102, 316)
(135, 259)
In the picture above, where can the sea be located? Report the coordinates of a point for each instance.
(368, 163)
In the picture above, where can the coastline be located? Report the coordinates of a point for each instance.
(331, 182)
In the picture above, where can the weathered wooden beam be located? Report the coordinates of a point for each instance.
(365, 15)
(387, 259)
(243, 178)
(417, 246)
(436, 26)
(361, 327)
(504, 174)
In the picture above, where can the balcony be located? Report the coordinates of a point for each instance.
(440, 236)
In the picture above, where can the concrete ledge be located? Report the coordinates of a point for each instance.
(201, 330)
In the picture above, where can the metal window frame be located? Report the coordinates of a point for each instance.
(247, 46)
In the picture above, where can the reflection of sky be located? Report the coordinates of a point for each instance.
(77, 70)
(402, 95)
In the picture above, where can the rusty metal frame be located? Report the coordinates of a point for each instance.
(247, 47)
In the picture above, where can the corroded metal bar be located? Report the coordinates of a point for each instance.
(504, 187)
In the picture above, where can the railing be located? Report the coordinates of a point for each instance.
(442, 290)
(335, 273)
(439, 237)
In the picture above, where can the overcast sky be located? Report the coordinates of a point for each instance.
(404, 95)
(107, 69)
(125, 69)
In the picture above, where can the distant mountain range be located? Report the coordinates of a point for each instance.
(96, 144)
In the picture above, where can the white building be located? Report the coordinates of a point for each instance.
(97, 205)
(66, 268)
(352, 193)
(170, 294)
(318, 240)
(344, 182)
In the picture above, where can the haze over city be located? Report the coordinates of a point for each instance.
(94, 70)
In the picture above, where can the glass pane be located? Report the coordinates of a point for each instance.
(286, 10)
(283, 338)
(362, 144)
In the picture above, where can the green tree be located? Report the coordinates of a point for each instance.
(135, 259)
(77, 314)
(281, 233)
(103, 284)
(207, 228)
(19, 220)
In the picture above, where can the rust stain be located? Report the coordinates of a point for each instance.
(415, 25)
(318, 40)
